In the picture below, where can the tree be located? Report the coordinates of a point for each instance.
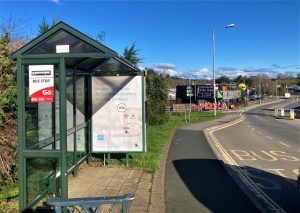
(223, 79)
(157, 97)
(10, 41)
(44, 26)
(8, 100)
(286, 75)
(131, 54)
(250, 81)
(7, 80)
(240, 79)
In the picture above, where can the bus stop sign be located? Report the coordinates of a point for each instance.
(41, 83)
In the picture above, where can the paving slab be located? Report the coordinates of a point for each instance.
(108, 181)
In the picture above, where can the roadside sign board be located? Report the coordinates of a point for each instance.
(189, 91)
(231, 94)
(41, 83)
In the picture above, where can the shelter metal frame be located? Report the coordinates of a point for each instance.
(83, 59)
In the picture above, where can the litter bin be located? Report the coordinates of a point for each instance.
(292, 114)
(276, 113)
(282, 112)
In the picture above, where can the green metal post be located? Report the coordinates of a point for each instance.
(143, 111)
(75, 123)
(90, 114)
(21, 135)
(127, 159)
(63, 128)
(108, 159)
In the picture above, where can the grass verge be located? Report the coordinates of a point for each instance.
(158, 136)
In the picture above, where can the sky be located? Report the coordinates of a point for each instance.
(176, 36)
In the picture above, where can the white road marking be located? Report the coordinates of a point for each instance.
(237, 169)
(296, 171)
(269, 137)
(252, 129)
(284, 144)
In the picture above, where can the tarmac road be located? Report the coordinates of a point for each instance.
(263, 155)
(196, 181)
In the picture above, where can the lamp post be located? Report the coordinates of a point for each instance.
(260, 91)
(276, 89)
(214, 80)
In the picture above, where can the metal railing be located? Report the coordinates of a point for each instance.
(89, 204)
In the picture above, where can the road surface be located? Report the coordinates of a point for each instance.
(262, 154)
(196, 180)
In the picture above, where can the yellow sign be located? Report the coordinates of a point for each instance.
(242, 86)
(292, 114)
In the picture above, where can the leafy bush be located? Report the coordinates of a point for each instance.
(8, 106)
(157, 96)
(8, 103)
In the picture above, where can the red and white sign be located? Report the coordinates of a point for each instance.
(41, 83)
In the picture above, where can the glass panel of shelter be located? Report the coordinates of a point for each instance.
(40, 124)
(42, 130)
(40, 134)
(112, 67)
(38, 171)
(75, 45)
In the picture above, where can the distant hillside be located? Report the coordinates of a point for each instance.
(175, 81)
(289, 82)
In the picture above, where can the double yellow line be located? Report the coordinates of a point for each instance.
(228, 160)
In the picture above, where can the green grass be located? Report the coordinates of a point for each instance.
(158, 136)
(9, 199)
(9, 193)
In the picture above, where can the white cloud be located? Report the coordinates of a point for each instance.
(172, 72)
(233, 72)
(170, 69)
(165, 66)
(205, 73)
(200, 73)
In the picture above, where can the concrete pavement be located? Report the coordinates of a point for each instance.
(107, 181)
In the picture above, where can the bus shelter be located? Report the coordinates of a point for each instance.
(64, 80)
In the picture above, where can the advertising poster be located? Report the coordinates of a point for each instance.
(41, 83)
(117, 114)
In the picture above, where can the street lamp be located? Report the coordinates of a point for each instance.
(214, 80)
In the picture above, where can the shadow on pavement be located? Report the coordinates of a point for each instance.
(207, 182)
